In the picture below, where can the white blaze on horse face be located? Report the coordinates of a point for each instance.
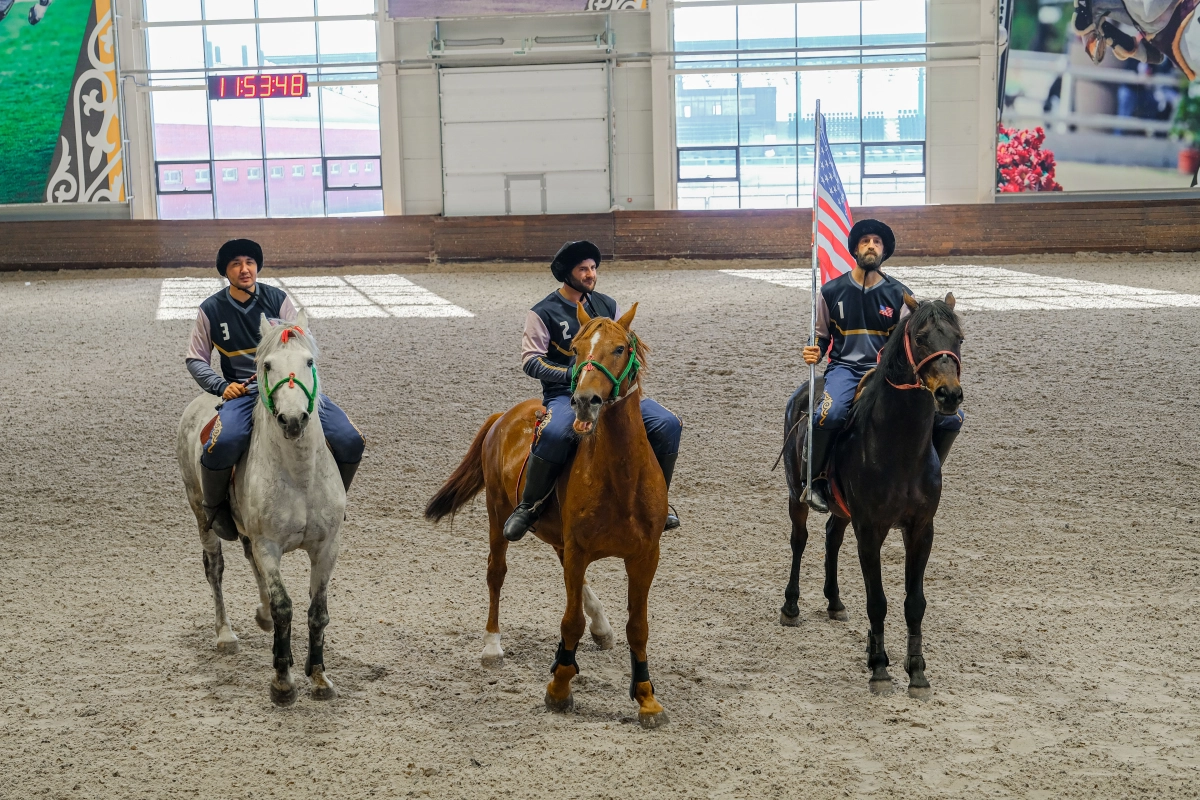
(595, 341)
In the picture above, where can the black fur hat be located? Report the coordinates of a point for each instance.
(238, 247)
(865, 227)
(570, 256)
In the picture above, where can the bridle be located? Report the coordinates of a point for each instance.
(291, 380)
(916, 368)
(632, 366)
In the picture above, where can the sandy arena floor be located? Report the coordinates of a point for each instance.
(1061, 632)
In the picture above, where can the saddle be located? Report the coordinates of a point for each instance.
(206, 431)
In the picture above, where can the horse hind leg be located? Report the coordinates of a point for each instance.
(651, 714)
(835, 532)
(601, 630)
(558, 691)
(262, 614)
(789, 615)
(493, 653)
(214, 570)
(322, 562)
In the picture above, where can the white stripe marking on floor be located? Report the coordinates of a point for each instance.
(322, 297)
(997, 289)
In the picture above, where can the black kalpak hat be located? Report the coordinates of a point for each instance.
(238, 247)
(570, 256)
(865, 227)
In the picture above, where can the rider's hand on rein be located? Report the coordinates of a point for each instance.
(233, 390)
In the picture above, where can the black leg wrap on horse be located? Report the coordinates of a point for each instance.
(876, 653)
(564, 658)
(641, 674)
(316, 658)
(915, 660)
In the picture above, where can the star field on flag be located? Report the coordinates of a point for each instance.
(833, 214)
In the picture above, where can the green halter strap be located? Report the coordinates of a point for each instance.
(632, 366)
(292, 381)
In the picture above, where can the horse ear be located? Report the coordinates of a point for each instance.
(626, 319)
(910, 301)
(302, 319)
(581, 315)
(264, 326)
(950, 300)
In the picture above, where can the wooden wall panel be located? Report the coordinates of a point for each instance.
(921, 231)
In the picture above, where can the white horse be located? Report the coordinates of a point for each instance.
(286, 495)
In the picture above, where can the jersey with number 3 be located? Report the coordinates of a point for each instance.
(232, 328)
(853, 325)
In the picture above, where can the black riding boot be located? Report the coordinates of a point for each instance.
(942, 441)
(540, 477)
(347, 472)
(818, 492)
(215, 485)
(668, 467)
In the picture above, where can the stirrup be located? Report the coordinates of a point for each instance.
(672, 519)
(815, 499)
(520, 522)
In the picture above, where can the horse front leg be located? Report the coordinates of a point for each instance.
(558, 691)
(214, 570)
(870, 541)
(641, 574)
(262, 614)
(789, 615)
(917, 545)
(497, 568)
(322, 562)
(283, 687)
(835, 532)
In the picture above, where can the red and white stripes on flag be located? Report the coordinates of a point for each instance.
(832, 214)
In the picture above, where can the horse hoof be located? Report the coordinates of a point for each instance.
(604, 641)
(560, 706)
(227, 647)
(264, 620)
(652, 721)
(882, 687)
(839, 615)
(920, 692)
(492, 660)
(283, 697)
(789, 622)
(326, 692)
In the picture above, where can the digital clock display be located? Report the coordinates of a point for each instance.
(244, 87)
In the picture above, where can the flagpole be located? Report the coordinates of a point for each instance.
(812, 319)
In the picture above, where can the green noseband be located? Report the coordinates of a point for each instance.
(631, 368)
(292, 381)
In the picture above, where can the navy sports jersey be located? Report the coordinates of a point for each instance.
(549, 327)
(233, 329)
(858, 323)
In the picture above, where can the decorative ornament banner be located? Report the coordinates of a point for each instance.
(88, 165)
(429, 9)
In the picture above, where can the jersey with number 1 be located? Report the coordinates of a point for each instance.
(852, 324)
(233, 329)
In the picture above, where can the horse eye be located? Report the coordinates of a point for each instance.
(267, 366)
(619, 351)
(310, 362)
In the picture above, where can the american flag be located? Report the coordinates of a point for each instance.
(833, 214)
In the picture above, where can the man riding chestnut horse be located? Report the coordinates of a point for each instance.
(550, 327)
(856, 313)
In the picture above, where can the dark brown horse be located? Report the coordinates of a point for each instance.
(611, 503)
(885, 474)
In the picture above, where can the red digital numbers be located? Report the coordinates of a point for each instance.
(238, 87)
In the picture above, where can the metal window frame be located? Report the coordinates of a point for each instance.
(737, 165)
(905, 143)
(158, 190)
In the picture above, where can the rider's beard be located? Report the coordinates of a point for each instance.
(578, 286)
(868, 262)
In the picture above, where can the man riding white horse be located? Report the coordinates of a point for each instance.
(229, 323)
(856, 313)
(549, 328)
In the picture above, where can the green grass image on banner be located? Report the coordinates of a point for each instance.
(37, 67)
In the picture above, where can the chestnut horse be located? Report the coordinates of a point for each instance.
(884, 473)
(610, 503)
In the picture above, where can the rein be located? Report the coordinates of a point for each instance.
(916, 368)
(291, 380)
(632, 366)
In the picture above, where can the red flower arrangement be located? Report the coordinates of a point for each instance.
(1021, 163)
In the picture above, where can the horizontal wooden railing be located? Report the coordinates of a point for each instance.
(921, 231)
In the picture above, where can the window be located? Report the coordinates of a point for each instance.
(335, 169)
(745, 122)
(195, 137)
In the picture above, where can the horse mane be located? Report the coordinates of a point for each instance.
(643, 349)
(274, 343)
(893, 364)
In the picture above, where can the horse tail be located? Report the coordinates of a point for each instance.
(465, 482)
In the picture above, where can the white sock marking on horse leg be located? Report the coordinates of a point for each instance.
(600, 628)
(493, 653)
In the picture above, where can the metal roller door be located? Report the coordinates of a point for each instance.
(525, 140)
